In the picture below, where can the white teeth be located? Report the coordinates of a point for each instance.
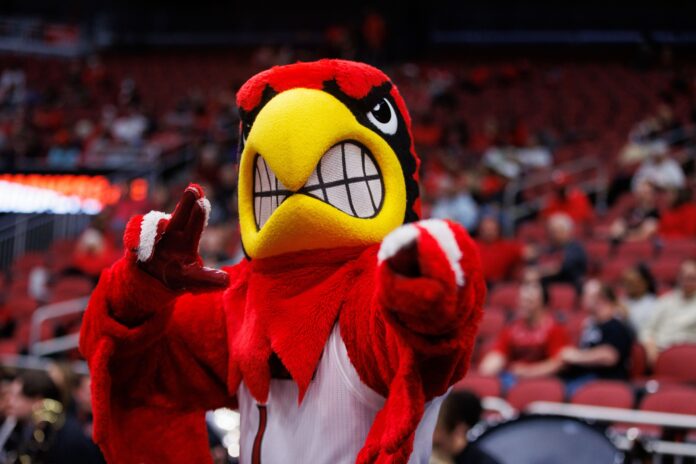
(269, 192)
(346, 177)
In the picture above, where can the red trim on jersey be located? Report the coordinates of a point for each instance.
(263, 419)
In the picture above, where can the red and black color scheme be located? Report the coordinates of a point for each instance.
(168, 339)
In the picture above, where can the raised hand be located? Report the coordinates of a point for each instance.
(166, 247)
(424, 275)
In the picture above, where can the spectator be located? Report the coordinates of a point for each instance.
(639, 222)
(500, 257)
(660, 170)
(459, 412)
(530, 346)
(678, 220)
(456, 203)
(64, 444)
(639, 298)
(569, 200)
(605, 343)
(674, 317)
(565, 259)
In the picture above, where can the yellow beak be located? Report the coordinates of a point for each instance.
(292, 133)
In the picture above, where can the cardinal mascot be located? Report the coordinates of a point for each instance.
(339, 334)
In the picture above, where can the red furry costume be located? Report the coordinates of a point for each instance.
(168, 339)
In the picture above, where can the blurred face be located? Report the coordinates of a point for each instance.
(645, 193)
(633, 284)
(449, 443)
(591, 296)
(489, 229)
(83, 395)
(687, 278)
(19, 405)
(559, 231)
(531, 300)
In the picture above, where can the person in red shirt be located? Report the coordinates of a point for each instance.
(531, 345)
(568, 200)
(678, 220)
(500, 257)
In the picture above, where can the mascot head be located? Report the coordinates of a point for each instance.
(327, 158)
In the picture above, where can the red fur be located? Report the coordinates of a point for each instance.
(355, 79)
(157, 355)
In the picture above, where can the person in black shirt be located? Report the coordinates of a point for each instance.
(460, 411)
(605, 344)
(565, 260)
(640, 222)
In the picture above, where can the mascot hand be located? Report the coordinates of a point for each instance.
(422, 274)
(166, 247)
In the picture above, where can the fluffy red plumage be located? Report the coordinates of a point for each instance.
(161, 357)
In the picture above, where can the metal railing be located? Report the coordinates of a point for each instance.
(631, 441)
(597, 184)
(39, 348)
(20, 233)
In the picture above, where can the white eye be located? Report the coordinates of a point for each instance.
(384, 117)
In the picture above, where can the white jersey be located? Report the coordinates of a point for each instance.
(331, 424)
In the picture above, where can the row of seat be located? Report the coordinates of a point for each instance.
(670, 398)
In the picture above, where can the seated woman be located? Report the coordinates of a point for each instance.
(530, 346)
(640, 290)
(605, 344)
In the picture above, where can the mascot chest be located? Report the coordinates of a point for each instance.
(331, 424)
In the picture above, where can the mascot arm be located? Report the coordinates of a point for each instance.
(426, 307)
(154, 337)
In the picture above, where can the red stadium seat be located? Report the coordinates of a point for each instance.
(530, 390)
(676, 364)
(505, 295)
(492, 322)
(680, 249)
(639, 361)
(613, 394)
(613, 269)
(71, 287)
(574, 323)
(532, 232)
(480, 384)
(643, 250)
(562, 296)
(27, 262)
(673, 400)
(666, 269)
(22, 307)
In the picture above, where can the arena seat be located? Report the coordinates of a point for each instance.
(639, 361)
(504, 295)
(492, 322)
(608, 393)
(666, 269)
(574, 323)
(22, 307)
(672, 400)
(529, 390)
(643, 250)
(679, 248)
(562, 296)
(614, 268)
(71, 287)
(480, 384)
(676, 363)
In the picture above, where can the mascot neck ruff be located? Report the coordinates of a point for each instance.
(338, 335)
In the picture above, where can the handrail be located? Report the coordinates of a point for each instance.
(18, 361)
(605, 414)
(53, 311)
(515, 211)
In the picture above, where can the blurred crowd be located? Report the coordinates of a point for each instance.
(486, 135)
